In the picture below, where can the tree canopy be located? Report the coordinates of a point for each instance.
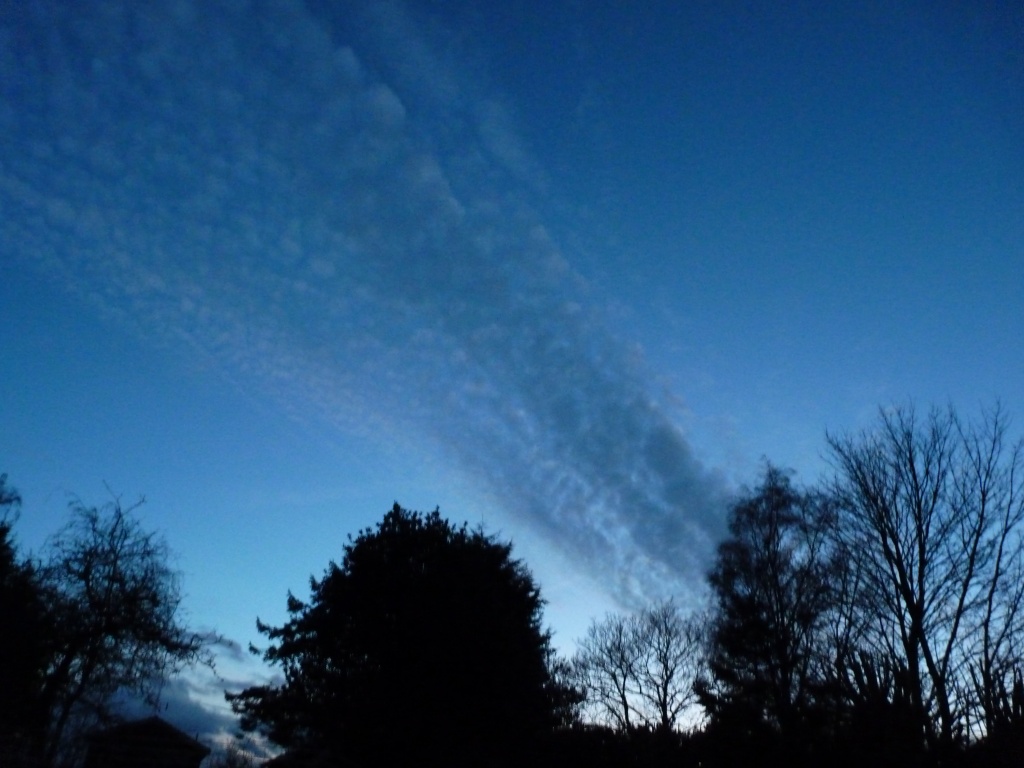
(23, 651)
(426, 641)
(772, 585)
(875, 619)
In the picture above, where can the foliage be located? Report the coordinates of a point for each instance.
(23, 655)
(425, 642)
(772, 585)
(638, 671)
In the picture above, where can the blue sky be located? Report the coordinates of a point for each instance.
(567, 269)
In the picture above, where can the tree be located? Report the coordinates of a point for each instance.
(638, 671)
(772, 586)
(606, 666)
(112, 606)
(23, 642)
(671, 662)
(930, 514)
(425, 643)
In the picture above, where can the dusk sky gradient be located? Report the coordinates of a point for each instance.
(567, 269)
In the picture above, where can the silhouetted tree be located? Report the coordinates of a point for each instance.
(96, 616)
(112, 604)
(605, 667)
(23, 643)
(674, 653)
(424, 645)
(638, 671)
(930, 517)
(772, 586)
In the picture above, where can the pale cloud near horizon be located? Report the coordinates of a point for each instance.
(246, 185)
(182, 704)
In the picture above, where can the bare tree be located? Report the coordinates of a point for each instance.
(114, 605)
(930, 518)
(638, 671)
(605, 667)
(672, 653)
(990, 486)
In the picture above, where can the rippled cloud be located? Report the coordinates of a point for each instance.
(350, 227)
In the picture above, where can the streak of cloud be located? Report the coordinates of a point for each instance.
(233, 175)
(224, 647)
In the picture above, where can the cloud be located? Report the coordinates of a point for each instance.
(224, 647)
(185, 703)
(194, 702)
(241, 182)
(499, 138)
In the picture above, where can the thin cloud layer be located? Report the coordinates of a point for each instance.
(234, 176)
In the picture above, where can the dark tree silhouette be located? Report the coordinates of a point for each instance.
(95, 617)
(932, 517)
(772, 587)
(112, 602)
(638, 671)
(23, 643)
(424, 645)
(605, 666)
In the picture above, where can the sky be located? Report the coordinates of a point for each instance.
(568, 270)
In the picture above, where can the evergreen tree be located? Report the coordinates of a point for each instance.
(424, 644)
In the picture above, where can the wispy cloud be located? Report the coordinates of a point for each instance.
(224, 647)
(242, 182)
